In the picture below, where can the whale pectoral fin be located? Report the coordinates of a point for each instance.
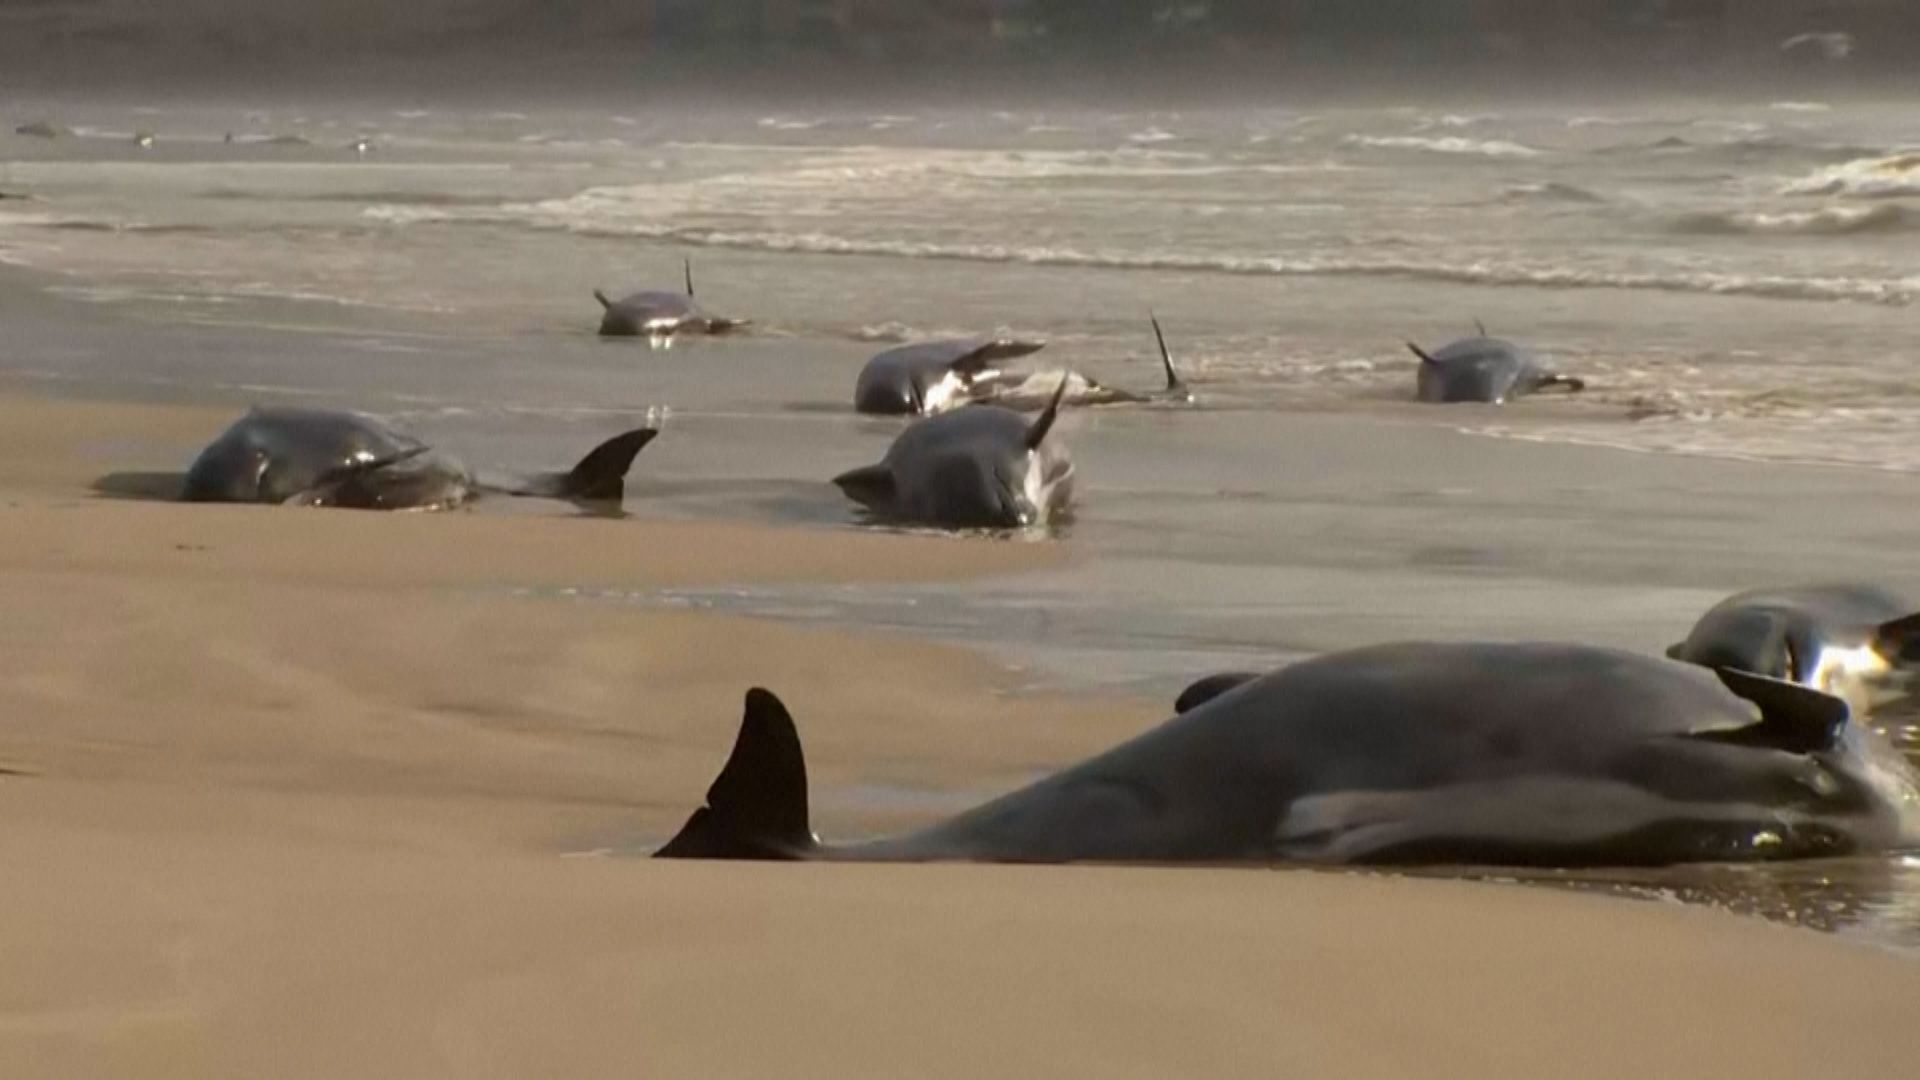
(1899, 639)
(1794, 718)
(973, 364)
(1205, 690)
(1677, 651)
(356, 468)
(1425, 356)
(604, 301)
(602, 474)
(869, 485)
(757, 806)
(1569, 383)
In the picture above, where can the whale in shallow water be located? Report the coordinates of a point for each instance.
(660, 315)
(1859, 642)
(335, 457)
(1514, 754)
(932, 376)
(1035, 390)
(981, 467)
(1485, 369)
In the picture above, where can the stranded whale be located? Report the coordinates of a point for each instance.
(333, 457)
(1034, 391)
(660, 314)
(1484, 369)
(1535, 754)
(981, 467)
(932, 376)
(1858, 642)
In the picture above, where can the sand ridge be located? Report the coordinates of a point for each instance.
(319, 793)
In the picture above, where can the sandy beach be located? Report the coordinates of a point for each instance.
(319, 794)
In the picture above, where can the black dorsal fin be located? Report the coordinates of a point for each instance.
(1205, 690)
(1423, 354)
(1037, 434)
(686, 265)
(757, 806)
(1794, 718)
(1479, 327)
(602, 474)
(1174, 384)
(1899, 639)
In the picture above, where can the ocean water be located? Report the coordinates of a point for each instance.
(1736, 282)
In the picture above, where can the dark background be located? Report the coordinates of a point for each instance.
(969, 47)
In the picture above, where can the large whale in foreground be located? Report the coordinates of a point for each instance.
(1484, 369)
(335, 457)
(1856, 641)
(1501, 754)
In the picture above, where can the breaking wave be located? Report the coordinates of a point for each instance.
(1451, 144)
(1832, 221)
(562, 215)
(1552, 191)
(1864, 178)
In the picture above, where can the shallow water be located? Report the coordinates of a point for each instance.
(1735, 283)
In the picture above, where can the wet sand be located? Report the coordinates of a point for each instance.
(304, 793)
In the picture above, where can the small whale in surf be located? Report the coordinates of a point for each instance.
(1034, 391)
(931, 377)
(43, 129)
(660, 315)
(981, 467)
(333, 457)
(1485, 369)
(935, 376)
(1416, 753)
(1857, 642)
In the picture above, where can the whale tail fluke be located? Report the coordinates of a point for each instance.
(757, 807)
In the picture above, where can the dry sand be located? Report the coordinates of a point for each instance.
(294, 794)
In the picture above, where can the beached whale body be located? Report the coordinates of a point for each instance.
(932, 376)
(1545, 755)
(935, 376)
(1484, 369)
(660, 314)
(981, 467)
(333, 457)
(1858, 642)
(1036, 389)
